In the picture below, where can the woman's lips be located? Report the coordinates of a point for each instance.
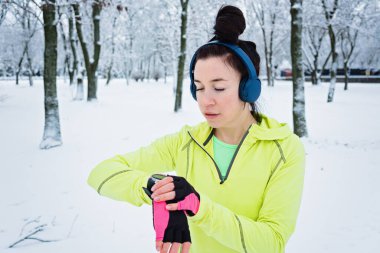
(211, 115)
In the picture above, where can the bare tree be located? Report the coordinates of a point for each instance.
(182, 56)
(52, 131)
(3, 11)
(167, 37)
(329, 15)
(29, 21)
(73, 69)
(91, 62)
(313, 41)
(267, 14)
(352, 16)
(128, 42)
(72, 62)
(119, 9)
(347, 46)
(65, 42)
(299, 119)
(125, 24)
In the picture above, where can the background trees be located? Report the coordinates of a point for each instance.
(155, 39)
(137, 36)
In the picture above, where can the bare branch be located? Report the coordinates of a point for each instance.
(28, 9)
(30, 236)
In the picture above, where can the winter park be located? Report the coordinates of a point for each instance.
(82, 82)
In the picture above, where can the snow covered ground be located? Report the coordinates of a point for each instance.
(340, 211)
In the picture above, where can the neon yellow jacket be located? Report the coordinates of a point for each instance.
(253, 210)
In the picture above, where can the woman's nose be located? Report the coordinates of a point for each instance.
(207, 98)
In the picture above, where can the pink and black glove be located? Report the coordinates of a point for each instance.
(170, 226)
(187, 197)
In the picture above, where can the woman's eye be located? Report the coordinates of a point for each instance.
(198, 89)
(220, 89)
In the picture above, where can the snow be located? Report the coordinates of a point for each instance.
(297, 6)
(49, 143)
(285, 64)
(340, 208)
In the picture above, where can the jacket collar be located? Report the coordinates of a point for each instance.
(268, 129)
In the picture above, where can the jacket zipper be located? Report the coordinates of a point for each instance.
(232, 161)
(237, 150)
(216, 166)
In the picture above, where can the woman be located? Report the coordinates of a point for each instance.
(239, 174)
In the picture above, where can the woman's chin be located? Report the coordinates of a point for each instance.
(213, 123)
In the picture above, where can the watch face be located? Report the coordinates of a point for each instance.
(157, 177)
(153, 179)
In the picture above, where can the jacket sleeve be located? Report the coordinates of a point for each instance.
(277, 216)
(123, 176)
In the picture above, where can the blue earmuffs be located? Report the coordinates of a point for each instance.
(249, 88)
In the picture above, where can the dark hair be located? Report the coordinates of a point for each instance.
(229, 24)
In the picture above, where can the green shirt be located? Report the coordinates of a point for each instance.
(223, 153)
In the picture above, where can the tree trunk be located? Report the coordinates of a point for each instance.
(109, 71)
(91, 66)
(28, 58)
(269, 73)
(91, 75)
(17, 74)
(351, 40)
(267, 61)
(30, 72)
(299, 119)
(182, 57)
(79, 94)
(345, 75)
(323, 67)
(73, 44)
(334, 63)
(128, 68)
(52, 130)
(148, 70)
(259, 12)
(270, 55)
(314, 73)
(66, 64)
(313, 77)
(19, 65)
(333, 70)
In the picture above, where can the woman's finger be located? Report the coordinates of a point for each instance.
(165, 196)
(186, 247)
(162, 182)
(159, 245)
(172, 207)
(163, 189)
(175, 247)
(165, 247)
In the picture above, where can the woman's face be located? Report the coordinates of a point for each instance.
(218, 92)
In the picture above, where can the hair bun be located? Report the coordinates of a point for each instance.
(229, 24)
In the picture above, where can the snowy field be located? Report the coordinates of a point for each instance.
(47, 189)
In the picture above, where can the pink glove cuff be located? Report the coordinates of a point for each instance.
(191, 202)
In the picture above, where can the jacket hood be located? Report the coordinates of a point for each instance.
(270, 129)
